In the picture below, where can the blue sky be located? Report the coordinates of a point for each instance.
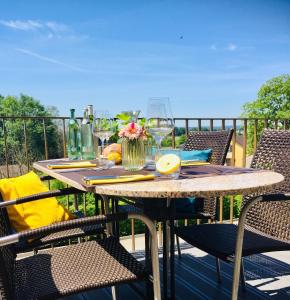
(209, 57)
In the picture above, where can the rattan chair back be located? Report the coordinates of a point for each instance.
(7, 259)
(218, 141)
(273, 153)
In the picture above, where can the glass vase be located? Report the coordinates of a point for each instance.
(133, 154)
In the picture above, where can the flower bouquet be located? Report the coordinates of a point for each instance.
(133, 137)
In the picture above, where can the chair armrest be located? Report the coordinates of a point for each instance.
(60, 226)
(54, 193)
(275, 197)
(46, 177)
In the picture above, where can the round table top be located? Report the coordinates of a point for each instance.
(213, 186)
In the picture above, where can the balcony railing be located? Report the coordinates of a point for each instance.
(244, 128)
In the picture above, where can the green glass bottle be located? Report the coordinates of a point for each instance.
(73, 142)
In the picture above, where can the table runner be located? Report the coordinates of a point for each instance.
(186, 172)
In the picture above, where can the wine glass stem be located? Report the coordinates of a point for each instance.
(102, 149)
(158, 147)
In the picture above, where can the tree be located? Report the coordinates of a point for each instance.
(273, 102)
(25, 106)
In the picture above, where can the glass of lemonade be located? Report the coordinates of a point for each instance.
(168, 163)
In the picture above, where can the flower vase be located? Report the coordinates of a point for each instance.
(133, 154)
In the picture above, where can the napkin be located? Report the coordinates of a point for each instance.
(185, 163)
(120, 179)
(72, 165)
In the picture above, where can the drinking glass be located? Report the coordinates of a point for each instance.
(159, 120)
(111, 129)
(103, 127)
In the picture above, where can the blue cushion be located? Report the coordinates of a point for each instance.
(200, 155)
(185, 205)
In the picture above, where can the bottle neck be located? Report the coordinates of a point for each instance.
(72, 114)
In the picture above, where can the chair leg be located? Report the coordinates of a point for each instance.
(218, 270)
(160, 234)
(177, 241)
(114, 292)
(242, 276)
(178, 247)
(133, 235)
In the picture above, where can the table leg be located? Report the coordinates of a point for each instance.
(164, 258)
(117, 227)
(107, 211)
(149, 286)
(172, 252)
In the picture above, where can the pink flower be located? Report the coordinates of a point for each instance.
(133, 131)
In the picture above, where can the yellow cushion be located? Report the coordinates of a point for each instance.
(33, 214)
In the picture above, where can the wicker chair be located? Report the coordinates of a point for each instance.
(53, 238)
(266, 217)
(72, 269)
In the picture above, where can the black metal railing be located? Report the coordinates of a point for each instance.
(14, 162)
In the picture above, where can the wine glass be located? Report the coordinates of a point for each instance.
(111, 130)
(159, 119)
(103, 127)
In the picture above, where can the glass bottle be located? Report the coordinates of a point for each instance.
(73, 143)
(90, 113)
(87, 141)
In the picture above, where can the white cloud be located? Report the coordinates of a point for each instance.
(22, 25)
(231, 47)
(48, 59)
(29, 25)
(213, 47)
(56, 27)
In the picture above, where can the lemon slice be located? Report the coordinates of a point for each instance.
(168, 164)
(115, 156)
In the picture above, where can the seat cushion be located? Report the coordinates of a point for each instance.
(33, 214)
(199, 155)
(72, 269)
(185, 205)
(220, 240)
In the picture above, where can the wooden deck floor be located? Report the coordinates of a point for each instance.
(267, 277)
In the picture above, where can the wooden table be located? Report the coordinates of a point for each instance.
(203, 181)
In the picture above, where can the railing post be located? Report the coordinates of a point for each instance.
(25, 144)
(45, 139)
(186, 128)
(255, 134)
(231, 209)
(211, 125)
(173, 134)
(5, 146)
(234, 142)
(223, 124)
(199, 124)
(64, 138)
(221, 199)
(245, 142)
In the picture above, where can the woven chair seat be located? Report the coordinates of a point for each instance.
(66, 270)
(220, 240)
